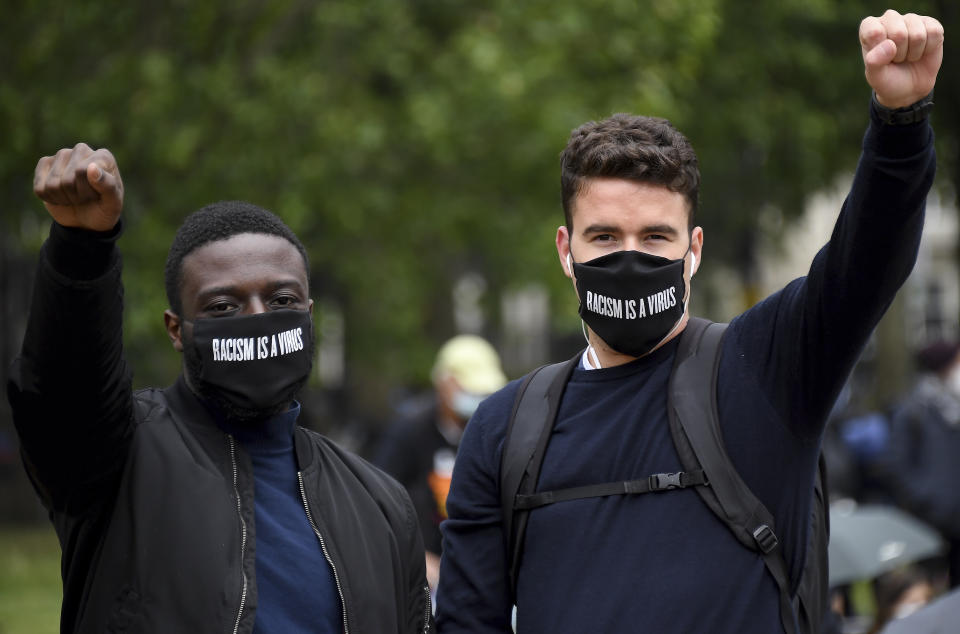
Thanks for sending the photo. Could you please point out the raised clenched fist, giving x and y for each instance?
(80, 187)
(901, 56)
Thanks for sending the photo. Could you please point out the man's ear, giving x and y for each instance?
(696, 249)
(563, 250)
(174, 328)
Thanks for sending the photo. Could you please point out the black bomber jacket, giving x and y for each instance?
(153, 504)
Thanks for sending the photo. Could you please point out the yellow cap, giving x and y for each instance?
(472, 362)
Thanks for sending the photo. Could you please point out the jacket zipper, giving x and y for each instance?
(243, 534)
(427, 610)
(326, 553)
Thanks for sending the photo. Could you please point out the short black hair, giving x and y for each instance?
(631, 147)
(215, 222)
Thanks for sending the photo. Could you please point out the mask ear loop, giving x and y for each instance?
(686, 309)
(590, 350)
(583, 326)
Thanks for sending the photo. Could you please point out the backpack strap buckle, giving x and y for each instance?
(766, 539)
(665, 481)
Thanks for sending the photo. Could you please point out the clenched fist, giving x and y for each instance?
(80, 187)
(901, 56)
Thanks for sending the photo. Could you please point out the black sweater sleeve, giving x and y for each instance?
(789, 355)
(806, 339)
(70, 388)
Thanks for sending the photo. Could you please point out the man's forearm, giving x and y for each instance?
(70, 389)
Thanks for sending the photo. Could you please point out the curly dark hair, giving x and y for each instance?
(219, 221)
(631, 147)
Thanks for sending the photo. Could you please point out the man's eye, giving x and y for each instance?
(220, 307)
(604, 237)
(284, 300)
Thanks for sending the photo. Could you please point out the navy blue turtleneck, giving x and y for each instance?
(296, 590)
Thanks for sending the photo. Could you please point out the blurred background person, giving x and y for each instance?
(937, 617)
(419, 448)
(923, 460)
(898, 594)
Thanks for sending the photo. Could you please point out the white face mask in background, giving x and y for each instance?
(465, 403)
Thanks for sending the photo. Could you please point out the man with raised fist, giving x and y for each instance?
(201, 507)
(619, 532)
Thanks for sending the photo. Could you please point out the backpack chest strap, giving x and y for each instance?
(654, 483)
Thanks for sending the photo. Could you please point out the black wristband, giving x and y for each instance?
(914, 113)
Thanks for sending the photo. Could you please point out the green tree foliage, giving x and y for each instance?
(409, 142)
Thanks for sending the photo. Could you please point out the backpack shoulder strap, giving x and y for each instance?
(695, 427)
(812, 601)
(528, 431)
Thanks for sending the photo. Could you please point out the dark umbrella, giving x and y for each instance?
(868, 540)
(940, 617)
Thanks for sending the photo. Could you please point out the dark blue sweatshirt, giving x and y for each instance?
(663, 563)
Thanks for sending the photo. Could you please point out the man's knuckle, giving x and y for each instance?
(43, 166)
(106, 158)
(870, 28)
(898, 34)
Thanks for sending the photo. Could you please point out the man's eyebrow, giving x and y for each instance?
(228, 289)
(666, 229)
(217, 290)
(287, 283)
(598, 228)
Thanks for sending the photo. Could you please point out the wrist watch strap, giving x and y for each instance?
(913, 113)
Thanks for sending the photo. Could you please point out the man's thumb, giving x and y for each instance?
(880, 55)
(102, 181)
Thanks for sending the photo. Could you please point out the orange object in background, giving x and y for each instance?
(439, 479)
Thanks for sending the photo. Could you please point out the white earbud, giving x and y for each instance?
(693, 264)
(569, 265)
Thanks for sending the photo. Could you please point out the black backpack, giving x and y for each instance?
(694, 426)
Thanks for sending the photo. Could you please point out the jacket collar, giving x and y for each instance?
(187, 407)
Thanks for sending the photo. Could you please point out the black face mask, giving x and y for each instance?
(252, 366)
(631, 300)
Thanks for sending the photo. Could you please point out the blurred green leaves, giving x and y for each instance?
(409, 142)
